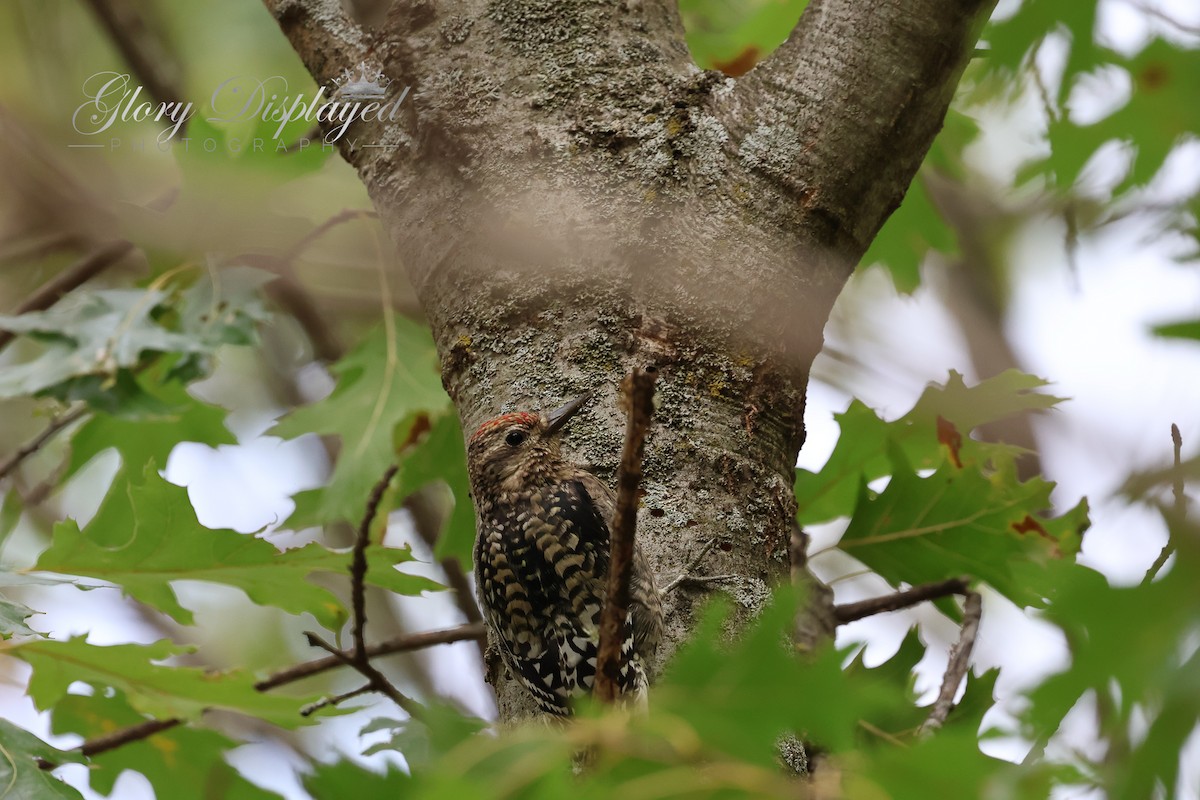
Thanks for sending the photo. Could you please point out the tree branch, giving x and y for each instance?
(359, 658)
(151, 60)
(638, 389)
(1180, 506)
(849, 612)
(358, 566)
(399, 644)
(841, 115)
(956, 669)
(33, 445)
(69, 279)
(375, 679)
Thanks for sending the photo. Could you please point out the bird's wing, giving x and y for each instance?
(515, 607)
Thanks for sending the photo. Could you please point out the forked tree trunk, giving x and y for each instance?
(570, 195)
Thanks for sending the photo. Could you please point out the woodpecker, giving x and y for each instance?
(541, 561)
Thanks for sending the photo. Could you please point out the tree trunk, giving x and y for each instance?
(570, 196)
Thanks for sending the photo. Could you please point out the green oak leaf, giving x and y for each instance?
(382, 384)
(441, 456)
(861, 453)
(948, 764)
(12, 618)
(748, 688)
(153, 689)
(20, 776)
(346, 779)
(182, 418)
(961, 521)
(145, 536)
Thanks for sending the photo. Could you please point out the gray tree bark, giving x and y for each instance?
(570, 195)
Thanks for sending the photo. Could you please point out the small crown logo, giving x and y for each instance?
(362, 83)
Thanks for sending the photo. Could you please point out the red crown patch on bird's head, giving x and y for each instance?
(519, 418)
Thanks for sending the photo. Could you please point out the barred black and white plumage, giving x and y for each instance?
(541, 561)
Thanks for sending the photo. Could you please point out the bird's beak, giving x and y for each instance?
(559, 416)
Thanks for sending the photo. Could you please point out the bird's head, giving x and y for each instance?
(518, 450)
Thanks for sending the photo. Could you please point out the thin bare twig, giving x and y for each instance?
(849, 612)
(358, 565)
(358, 658)
(639, 392)
(345, 215)
(956, 669)
(376, 679)
(299, 672)
(686, 572)
(297, 302)
(150, 58)
(289, 293)
(71, 278)
(1180, 506)
(1151, 11)
(36, 443)
(333, 700)
(399, 644)
(118, 738)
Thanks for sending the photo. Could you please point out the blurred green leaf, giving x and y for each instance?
(752, 688)
(1134, 644)
(12, 618)
(91, 341)
(153, 689)
(1161, 110)
(1009, 40)
(146, 536)
(381, 385)
(1178, 330)
(20, 776)
(917, 227)
(948, 764)
(907, 236)
(732, 37)
(187, 759)
(346, 779)
(441, 729)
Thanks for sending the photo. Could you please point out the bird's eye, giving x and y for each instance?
(515, 438)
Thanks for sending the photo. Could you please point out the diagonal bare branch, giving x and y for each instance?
(960, 660)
